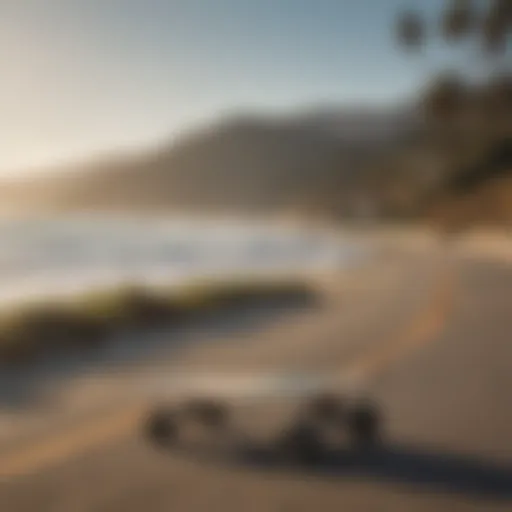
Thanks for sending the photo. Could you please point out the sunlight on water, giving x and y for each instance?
(59, 256)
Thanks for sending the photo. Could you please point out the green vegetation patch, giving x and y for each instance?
(37, 329)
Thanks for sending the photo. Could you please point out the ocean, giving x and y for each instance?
(54, 256)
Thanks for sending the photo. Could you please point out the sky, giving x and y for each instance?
(80, 78)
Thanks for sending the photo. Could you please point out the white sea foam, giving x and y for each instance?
(40, 257)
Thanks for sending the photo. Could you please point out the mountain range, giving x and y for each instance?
(245, 162)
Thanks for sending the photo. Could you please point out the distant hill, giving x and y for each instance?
(336, 162)
(249, 163)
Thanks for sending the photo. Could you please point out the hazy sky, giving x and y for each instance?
(80, 77)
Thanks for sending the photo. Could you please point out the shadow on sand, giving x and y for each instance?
(404, 464)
